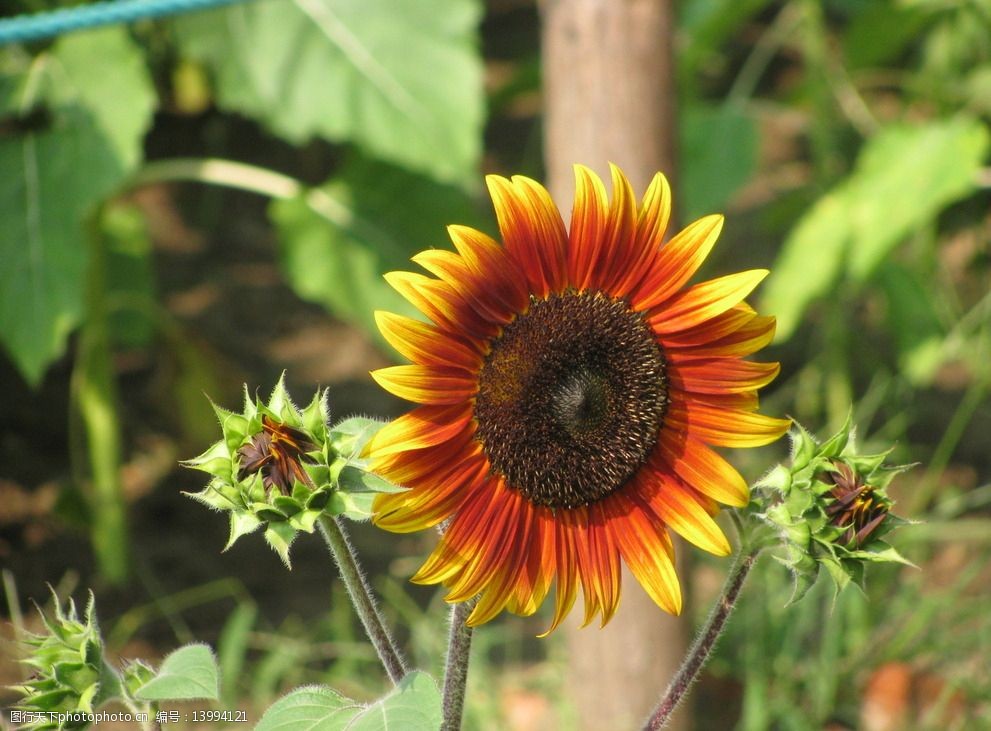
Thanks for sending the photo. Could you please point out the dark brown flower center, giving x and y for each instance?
(571, 398)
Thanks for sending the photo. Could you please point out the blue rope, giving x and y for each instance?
(24, 28)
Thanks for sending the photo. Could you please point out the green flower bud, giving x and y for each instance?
(70, 675)
(279, 468)
(830, 509)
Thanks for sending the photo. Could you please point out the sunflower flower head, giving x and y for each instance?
(831, 509)
(69, 673)
(570, 387)
(280, 468)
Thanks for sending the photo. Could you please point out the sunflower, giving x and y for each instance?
(570, 388)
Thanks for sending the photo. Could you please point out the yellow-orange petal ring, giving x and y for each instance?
(593, 332)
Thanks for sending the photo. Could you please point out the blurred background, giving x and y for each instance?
(191, 204)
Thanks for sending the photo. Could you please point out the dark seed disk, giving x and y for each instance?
(571, 399)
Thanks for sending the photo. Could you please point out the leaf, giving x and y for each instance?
(903, 178)
(355, 480)
(314, 708)
(383, 216)
(186, 674)
(403, 80)
(349, 436)
(413, 705)
(718, 152)
(51, 178)
(811, 259)
(355, 506)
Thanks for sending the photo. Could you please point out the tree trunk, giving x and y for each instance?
(609, 96)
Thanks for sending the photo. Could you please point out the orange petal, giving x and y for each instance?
(566, 563)
(407, 467)
(655, 212)
(442, 304)
(464, 544)
(674, 503)
(704, 470)
(741, 401)
(677, 261)
(509, 563)
(551, 236)
(534, 579)
(607, 577)
(652, 221)
(725, 427)
(646, 548)
(704, 301)
(720, 375)
(425, 507)
(589, 222)
(617, 255)
(451, 269)
(531, 229)
(492, 266)
(427, 384)
(746, 340)
(711, 330)
(422, 427)
(499, 531)
(425, 344)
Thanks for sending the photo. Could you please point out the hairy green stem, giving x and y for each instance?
(456, 667)
(361, 597)
(705, 642)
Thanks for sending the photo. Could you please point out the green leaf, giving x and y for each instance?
(314, 708)
(402, 80)
(810, 261)
(355, 480)
(51, 179)
(718, 153)
(186, 674)
(337, 258)
(413, 705)
(903, 178)
(349, 437)
(354, 505)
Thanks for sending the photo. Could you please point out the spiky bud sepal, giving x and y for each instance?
(278, 468)
(830, 509)
(70, 676)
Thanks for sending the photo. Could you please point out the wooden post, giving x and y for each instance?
(609, 96)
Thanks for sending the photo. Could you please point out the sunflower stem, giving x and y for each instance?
(361, 597)
(456, 668)
(698, 654)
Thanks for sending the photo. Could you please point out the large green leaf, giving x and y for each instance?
(187, 673)
(413, 705)
(89, 100)
(903, 178)
(383, 215)
(401, 78)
